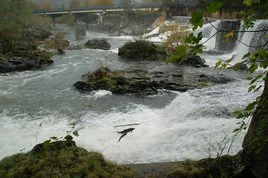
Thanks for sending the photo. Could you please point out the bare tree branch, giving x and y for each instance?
(127, 125)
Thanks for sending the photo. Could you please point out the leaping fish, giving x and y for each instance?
(125, 132)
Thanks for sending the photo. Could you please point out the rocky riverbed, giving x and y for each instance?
(33, 51)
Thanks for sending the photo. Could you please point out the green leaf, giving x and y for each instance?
(218, 64)
(214, 7)
(197, 19)
(246, 56)
(253, 67)
(236, 130)
(255, 79)
(251, 106)
(229, 60)
(257, 89)
(247, 2)
(179, 55)
(252, 87)
(239, 114)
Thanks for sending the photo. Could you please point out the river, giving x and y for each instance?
(37, 105)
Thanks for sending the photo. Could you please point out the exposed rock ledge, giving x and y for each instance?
(144, 82)
(36, 61)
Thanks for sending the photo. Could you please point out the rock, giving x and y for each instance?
(143, 82)
(6, 66)
(116, 82)
(98, 44)
(60, 51)
(141, 50)
(218, 79)
(62, 44)
(83, 86)
(195, 61)
(53, 146)
(33, 61)
(239, 66)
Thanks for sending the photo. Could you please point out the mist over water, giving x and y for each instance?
(173, 126)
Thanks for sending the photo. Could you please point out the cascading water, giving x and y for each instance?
(245, 39)
(173, 126)
(250, 39)
(208, 31)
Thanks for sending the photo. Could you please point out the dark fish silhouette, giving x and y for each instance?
(125, 132)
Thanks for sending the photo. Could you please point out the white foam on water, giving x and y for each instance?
(99, 93)
(168, 134)
(116, 50)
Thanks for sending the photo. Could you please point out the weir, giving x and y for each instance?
(225, 41)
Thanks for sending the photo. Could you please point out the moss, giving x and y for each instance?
(222, 167)
(141, 50)
(202, 85)
(61, 159)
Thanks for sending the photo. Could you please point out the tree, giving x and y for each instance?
(75, 4)
(16, 15)
(44, 5)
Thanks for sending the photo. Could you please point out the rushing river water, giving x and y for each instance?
(173, 126)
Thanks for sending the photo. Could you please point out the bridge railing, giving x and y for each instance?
(99, 7)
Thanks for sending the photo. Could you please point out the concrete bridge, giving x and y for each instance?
(95, 9)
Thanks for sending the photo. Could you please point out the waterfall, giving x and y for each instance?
(207, 31)
(247, 39)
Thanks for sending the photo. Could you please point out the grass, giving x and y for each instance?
(61, 159)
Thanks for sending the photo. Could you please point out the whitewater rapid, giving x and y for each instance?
(37, 105)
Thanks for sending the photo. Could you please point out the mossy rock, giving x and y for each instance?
(61, 159)
(117, 82)
(141, 50)
(222, 167)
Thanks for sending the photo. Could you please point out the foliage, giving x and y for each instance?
(75, 4)
(177, 34)
(61, 159)
(223, 167)
(190, 48)
(256, 60)
(66, 19)
(43, 5)
(15, 17)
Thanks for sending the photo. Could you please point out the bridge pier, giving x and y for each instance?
(100, 20)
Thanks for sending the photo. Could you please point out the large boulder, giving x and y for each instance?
(195, 61)
(117, 82)
(141, 50)
(98, 44)
(143, 82)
